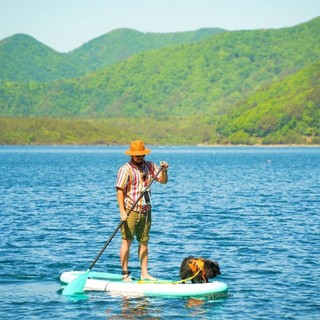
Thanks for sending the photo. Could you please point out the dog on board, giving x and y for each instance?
(198, 270)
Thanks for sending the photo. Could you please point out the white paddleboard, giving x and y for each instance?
(109, 282)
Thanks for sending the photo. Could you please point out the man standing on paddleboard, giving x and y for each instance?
(133, 180)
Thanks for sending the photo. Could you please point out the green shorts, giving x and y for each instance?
(137, 225)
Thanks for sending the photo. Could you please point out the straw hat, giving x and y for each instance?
(137, 148)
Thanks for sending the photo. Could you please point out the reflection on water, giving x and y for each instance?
(158, 308)
(130, 308)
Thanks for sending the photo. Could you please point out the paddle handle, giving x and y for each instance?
(122, 222)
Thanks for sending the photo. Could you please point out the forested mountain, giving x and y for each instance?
(120, 44)
(23, 58)
(286, 111)
(258, 86)
(208, 77)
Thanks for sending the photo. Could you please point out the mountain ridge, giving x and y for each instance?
(109, 48)
(215, 81)
(23, 58)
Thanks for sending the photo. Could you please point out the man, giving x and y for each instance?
(133, 177)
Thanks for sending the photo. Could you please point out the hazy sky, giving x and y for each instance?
(67, 24)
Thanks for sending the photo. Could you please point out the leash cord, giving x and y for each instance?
(166, 282)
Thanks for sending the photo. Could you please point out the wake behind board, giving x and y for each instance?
(109, 282)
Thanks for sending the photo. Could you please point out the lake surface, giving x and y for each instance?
(254, 210)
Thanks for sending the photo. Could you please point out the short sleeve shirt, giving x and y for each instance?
(133, 181)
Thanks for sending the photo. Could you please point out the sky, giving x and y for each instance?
(64, 25)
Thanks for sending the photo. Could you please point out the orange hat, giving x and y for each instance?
(137, 148)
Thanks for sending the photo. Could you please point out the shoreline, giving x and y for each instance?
(172, 146)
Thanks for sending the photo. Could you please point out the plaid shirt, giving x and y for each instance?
(133, 181)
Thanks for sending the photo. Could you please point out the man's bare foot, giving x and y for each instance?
(126, 279)
(148, 277)
(126, 276)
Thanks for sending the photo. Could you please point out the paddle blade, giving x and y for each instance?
(77, 285)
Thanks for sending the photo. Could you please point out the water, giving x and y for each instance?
(254, 210)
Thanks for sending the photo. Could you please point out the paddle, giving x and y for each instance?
(77, 285)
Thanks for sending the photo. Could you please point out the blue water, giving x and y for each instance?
(254, 210)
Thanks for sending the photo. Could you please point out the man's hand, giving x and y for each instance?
(123, 215)
(164, 164)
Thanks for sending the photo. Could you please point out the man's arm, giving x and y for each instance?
(120, 198)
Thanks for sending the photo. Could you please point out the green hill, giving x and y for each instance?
(287, 111)
(223, 89)
(205, 78)
(120, 44)
(22, 59)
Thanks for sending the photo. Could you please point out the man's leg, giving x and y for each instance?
(143, 256)
(124, 255)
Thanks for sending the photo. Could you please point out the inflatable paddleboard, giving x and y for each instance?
(109, 282)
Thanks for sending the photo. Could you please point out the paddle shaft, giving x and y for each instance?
(122, 222)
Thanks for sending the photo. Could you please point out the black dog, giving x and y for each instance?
(198, 270)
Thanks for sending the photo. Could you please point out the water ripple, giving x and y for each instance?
(254, 210)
